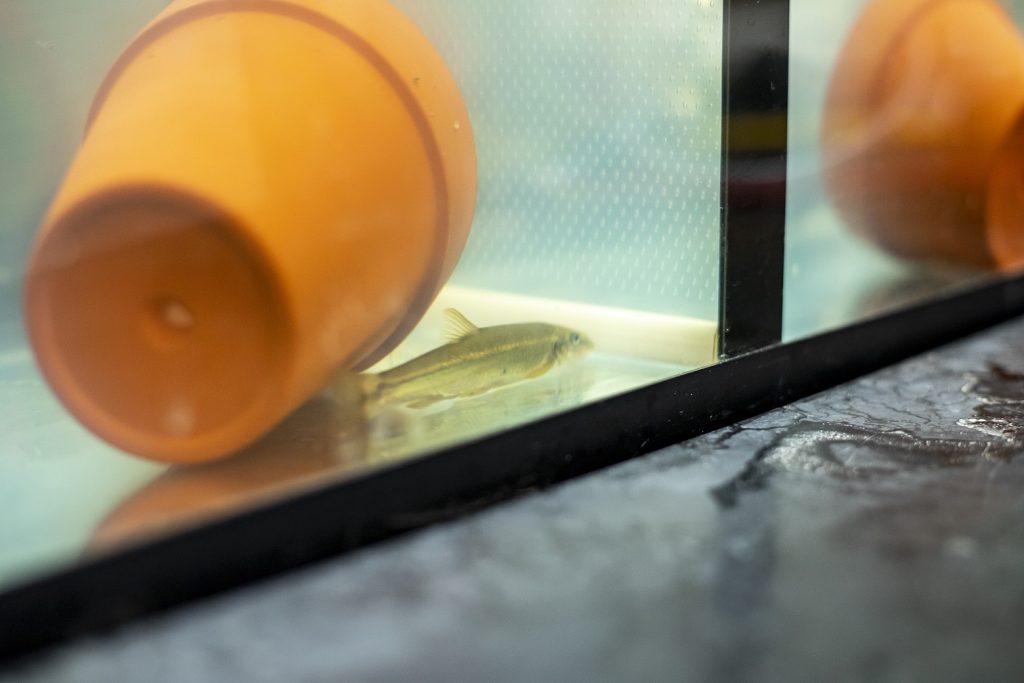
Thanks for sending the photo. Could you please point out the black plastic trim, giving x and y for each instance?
(755, 92)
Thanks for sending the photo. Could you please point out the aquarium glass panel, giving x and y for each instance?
(904, 145)
(250, 247)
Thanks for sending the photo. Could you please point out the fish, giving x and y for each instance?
(475, 361)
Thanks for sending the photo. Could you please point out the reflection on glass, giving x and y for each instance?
(314, 440)
(897, 134)
(252, 258)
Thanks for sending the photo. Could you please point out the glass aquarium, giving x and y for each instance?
(280, 278)
(252, 247)
(903, 142)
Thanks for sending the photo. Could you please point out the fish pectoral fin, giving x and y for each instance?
(541, 369)
(457, 326)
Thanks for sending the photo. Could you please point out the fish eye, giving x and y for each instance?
(574, 338)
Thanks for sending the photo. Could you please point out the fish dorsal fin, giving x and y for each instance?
(457, 326)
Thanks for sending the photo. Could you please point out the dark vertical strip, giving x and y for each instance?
(755, 90)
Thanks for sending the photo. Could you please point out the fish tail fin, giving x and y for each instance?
(457, 326)
(371, 387)
(354, 391)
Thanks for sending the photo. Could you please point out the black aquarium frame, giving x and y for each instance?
(757, 374)
(755, 100)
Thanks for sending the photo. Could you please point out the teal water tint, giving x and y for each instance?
(597, 125)
(829, 270)
(598, 137)
(57, 481)
(53, 55)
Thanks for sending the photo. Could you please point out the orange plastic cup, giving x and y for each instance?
(922, 97)
(267, 190)
(1005, 201)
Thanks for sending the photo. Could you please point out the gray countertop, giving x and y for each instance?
(872, 532)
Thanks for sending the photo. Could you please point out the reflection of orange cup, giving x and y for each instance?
(267, 190)
(313, 443)
(922, 96)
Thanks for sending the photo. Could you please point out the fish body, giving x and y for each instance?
(475, 361)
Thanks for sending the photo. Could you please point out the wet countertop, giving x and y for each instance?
(872, 532)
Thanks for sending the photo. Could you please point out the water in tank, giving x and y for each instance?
(252, 245)
(904, 140)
